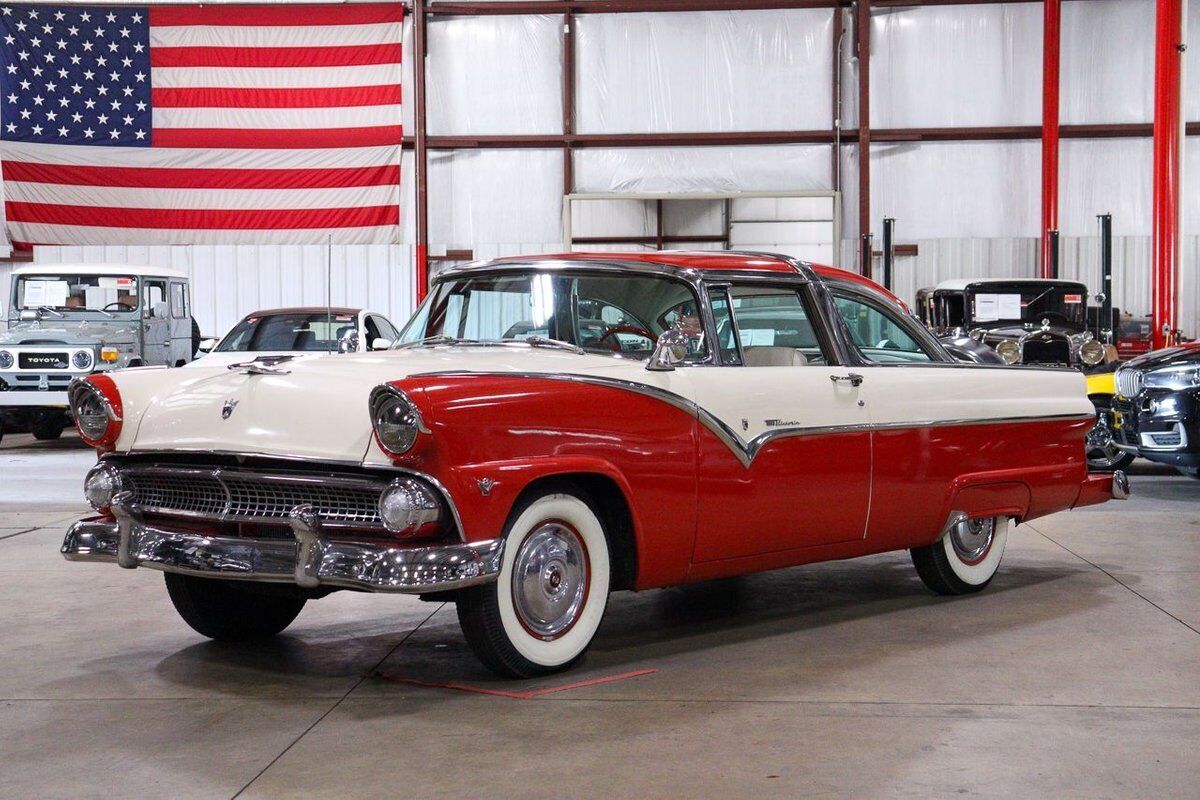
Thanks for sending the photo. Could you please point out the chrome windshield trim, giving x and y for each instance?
(745, 451)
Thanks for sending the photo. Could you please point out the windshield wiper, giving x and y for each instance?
(52, 310)
(558, 344)
(430, 341)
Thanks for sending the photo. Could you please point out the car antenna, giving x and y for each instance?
(329, 291)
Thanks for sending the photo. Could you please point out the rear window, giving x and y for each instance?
(284, 332)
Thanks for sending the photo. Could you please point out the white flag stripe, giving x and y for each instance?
(275, 118)
(276, 77)
(195, 199)
(187, 158)
(88, 234)
(278, 36)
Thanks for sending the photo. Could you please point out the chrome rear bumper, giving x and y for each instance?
(310, 560)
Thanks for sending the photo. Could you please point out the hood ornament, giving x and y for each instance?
(227, 409)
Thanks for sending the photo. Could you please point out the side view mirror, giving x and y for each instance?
(349, 342)
(381, 344)
(670, 349)
(207, 345)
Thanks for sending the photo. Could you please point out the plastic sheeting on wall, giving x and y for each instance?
(1107, 62)
(495, 74)
(704, 71)
(702, 169)
(480, 196)
(957, 189)
(230, 281)
(1104, 176)
(944, 66)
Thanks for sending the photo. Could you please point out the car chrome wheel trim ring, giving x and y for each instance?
(550, 580)
(972, 539)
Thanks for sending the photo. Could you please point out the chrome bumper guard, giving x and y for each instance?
(310, 560)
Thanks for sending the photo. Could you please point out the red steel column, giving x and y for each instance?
(419, 156)
(1164, 235)
(1051, 41)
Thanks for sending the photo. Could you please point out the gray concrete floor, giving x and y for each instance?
(1077, 674)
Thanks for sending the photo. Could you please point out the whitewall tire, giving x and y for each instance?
(965, 558)
(541, 614)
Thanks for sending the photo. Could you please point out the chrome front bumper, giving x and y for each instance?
(310, 560)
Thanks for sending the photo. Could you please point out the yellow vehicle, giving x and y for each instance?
(1102, 453)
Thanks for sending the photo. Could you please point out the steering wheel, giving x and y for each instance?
(615, 329)
(119, 306)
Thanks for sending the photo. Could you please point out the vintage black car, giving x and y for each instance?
(1029, 321)
(1156, 410)
(1021, 320)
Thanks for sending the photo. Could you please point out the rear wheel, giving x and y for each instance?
(232, 610)
(541, 614)
(965, 559)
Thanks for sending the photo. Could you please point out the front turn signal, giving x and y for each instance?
(109, 354)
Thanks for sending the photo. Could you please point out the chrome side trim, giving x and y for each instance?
(745, 451)
(314, 562)
(1120, 485)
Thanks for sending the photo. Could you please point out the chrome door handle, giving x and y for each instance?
(854, 379)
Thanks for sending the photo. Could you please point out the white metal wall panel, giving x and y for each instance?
(230, 281)
(703, 169)
(1107, 62)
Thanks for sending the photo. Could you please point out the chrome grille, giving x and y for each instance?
(243, 496)
(1129, 382)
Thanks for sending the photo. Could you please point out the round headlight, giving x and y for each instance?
(100, 486)
(1091, 352)
(82, 359)
(406, 505)
(1009, 350)
(396, 421)
(96, 408)
(6, 359)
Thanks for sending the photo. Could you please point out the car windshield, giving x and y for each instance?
(1063, 305)
(601, 313)
(301, 331)
(63, 294)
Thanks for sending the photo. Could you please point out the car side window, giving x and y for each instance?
(179, 308)
(878, 334)
(773, 327)
(727, 345)
(385, 328)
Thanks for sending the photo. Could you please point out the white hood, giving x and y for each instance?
(317, 409)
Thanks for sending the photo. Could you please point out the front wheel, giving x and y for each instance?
(47, 428)
(543, 611)
(965, 559)
(232, 610)
(1103, 455)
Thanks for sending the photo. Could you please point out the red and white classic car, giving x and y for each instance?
(554, 428)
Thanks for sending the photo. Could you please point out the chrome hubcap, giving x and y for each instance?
(972, 539)
(550, 580)
(1102, 452)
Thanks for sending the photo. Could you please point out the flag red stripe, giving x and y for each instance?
(277, 138)
(349, 56)
(232, 179)
(216, 97)
(294, 15)
(203, 219)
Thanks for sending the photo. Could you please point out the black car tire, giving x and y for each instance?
(47, 429)
(559, 525)
(1103, 403)
(942, 568)
(232, 611)
(196, 337)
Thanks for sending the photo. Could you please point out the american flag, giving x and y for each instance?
(201, 124)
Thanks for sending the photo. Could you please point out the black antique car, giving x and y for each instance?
(1029, 321)
(1156, 410)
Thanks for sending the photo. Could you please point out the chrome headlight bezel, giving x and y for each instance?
(96, 418)
(1176, 377)
(1009, 351)
(395, 419)
(82, 360)
(101, 485)
(407, 505)
(1091, 352)
(7, 359)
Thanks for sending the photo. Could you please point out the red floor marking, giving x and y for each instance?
(465, 687)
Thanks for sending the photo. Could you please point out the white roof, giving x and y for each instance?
(140, 271)
(959, 284)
